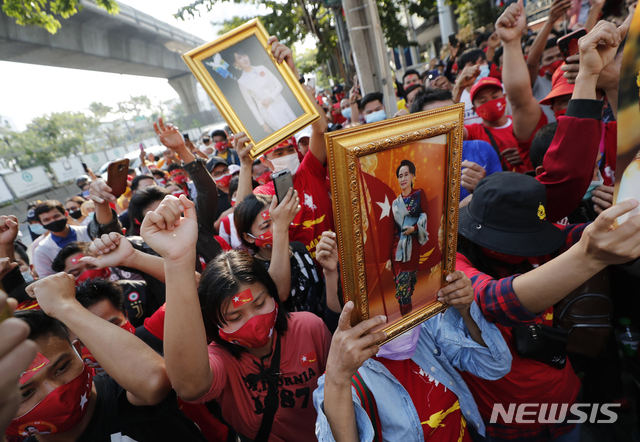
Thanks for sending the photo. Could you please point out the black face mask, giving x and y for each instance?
(75, 214)
(56, 226)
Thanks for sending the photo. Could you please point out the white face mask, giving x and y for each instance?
(28, 277)
(291, 162)
(37, 229)
(401, 348)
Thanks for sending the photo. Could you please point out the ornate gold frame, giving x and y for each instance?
(194, 58)
(343, 147)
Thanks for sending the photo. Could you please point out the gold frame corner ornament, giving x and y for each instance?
(343, 149)
(194, 58)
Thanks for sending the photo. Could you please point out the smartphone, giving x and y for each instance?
(453, 41)
(312, 83)
(568, 44)
(185, 136)
(282, 181)
(117, 176)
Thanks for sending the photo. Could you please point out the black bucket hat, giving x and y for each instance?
(507, 214)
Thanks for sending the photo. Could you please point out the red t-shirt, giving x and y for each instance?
(316, 215)
(528, 380)
(437, 406)
(303, 359)
(505, 139)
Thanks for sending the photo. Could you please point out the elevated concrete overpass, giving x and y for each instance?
(130, 42)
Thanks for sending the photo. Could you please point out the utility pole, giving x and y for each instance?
(369, 50)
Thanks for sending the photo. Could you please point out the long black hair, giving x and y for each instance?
(221, 281)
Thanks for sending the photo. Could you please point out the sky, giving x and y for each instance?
(73, 90)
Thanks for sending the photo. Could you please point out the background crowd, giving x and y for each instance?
(196, 306)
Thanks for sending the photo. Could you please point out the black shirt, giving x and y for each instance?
(114, 418)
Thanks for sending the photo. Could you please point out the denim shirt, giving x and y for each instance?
(444, 346)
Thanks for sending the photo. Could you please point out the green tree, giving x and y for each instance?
(45, 13)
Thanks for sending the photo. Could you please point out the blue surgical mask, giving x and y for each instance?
(591, 188)
(376, 116)
(37, 229)
(28, 277)
(484, 72)
(401, 348)
(346, 112)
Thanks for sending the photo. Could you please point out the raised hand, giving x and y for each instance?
(327, 251)
(16, 353)
(8, 230)
(512, 22)
(468, 76)
(281, 52)
(100, 192)
(282, 213)
(604, 243)
(598, 47)
(558, 9)
(110, 250)
(6, 266)
(602, 198)
(242, 145)
(171, 235)
(459, 291)
(169, 135)
(54, 293)
(351, 346)
(471, 175)
(494, 39)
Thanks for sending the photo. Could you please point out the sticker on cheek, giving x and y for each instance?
(38, 364)
(242, 298)
(266, 215)
(75, 259)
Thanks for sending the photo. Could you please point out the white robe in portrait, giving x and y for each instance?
(259, 84)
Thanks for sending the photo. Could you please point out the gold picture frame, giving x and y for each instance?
(431, 139)
(240, 105)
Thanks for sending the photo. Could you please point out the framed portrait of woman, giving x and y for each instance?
(253, 92)
(395, 189)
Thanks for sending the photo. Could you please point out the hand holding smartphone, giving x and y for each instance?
(568, 44)
(282, 182)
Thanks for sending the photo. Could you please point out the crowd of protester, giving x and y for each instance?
(196, 306)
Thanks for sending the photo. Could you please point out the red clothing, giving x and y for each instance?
(438, 407)
(316, 215)
(304, 351)
(569, 164)
(505, 139)
(528, 381)
(610, 152)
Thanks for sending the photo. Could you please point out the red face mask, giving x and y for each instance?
(550, 68)
(255, 333)
(60, 411)
(264, 240)
(220, 146)
(560, 113)
(492, 110)
(223, 181)
(264, 178)
(503, 257)
(177, 193)
(93, 273)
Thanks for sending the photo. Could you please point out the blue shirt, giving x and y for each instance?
(482, 153)
(444, 347)
(61, 242)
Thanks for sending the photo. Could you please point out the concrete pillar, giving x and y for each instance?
(369, 50)
(446, 20)
(185, 86)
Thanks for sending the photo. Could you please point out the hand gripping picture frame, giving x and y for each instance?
(255, 94)
(395, 187)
